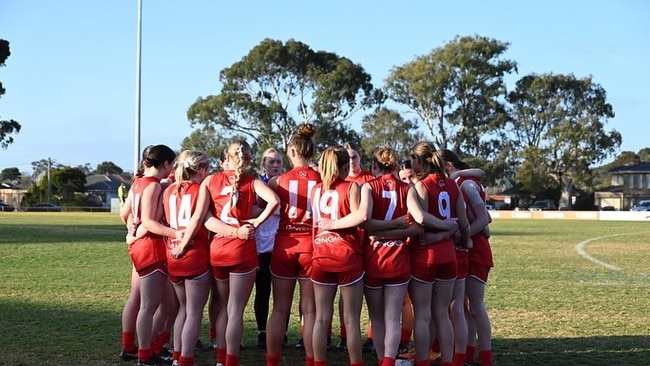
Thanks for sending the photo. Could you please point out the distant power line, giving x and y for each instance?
(16, 165)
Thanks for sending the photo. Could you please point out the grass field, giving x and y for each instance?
(65, 278)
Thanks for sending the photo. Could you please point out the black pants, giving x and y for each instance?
(262, 291)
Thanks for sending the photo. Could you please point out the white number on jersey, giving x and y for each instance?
(392, 196)
(293, 198)
(327, 204)
(225, 212)
(444, 204)
(180, 216)
(135, 209)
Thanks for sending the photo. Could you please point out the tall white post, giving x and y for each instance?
(136, 137)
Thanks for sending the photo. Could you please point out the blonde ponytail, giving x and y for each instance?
(240, 154)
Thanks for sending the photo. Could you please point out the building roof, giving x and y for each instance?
(104, 182)
(612, 189)
(641, 167)
(7, 185)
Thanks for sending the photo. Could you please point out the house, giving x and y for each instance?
(506, 199)
(12, 194)
(104, 187)
(629, 184)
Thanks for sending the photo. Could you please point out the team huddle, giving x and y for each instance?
(413, 241)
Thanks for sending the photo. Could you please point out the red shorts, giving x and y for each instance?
(377, 283)
(479, 271)
(324, 277)
(462, 259)
(178, 279)
(158, 266)
(222, 273)
(289, 265)
(431, 273)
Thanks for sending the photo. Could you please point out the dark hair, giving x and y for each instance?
(350, 145)
(224, 154)
(145, 153)
(405, 164)
(154, 156)
(451, 157)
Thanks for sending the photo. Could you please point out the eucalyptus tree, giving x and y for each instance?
(458, 91)
(644, 154)
(7, 127)
(559, 121)
(387, 127)
(278, 86)
(108, 167)
(205, 139)
(10, 174)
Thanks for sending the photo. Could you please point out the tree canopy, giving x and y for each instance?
(458, 91)
(7, 127)
(559, 122)
(386, 127)
(278, 86)
(108, 167)
(547, 133)
(10, 174)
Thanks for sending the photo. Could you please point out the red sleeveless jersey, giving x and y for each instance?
(150, 248)
(364, 176)
(295, 189)
(224, 249)
(387, 258)
(335, 250)
(443, 194)
(179, 205)
(481, 251)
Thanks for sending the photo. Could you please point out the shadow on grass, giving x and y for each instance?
(35, 334)
(614, 350)
(37, 234)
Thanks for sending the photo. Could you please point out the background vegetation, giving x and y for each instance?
(545, 134)
(65, 278)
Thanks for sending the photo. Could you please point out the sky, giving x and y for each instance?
(71, 78)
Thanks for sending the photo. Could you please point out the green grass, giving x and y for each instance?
(65, 278)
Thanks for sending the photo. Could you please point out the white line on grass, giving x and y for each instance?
(580, 248)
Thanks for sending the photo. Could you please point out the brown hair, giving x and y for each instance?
(451, 157)
(154, 156)
(145, 153)
(423, 151)
(438, 163)
(351, 146)
(330, 164)
(385, 158)
(303, 140)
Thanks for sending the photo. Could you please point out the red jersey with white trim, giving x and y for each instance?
(150, 248)
(226, 250)
(179, 203)
(442, 194)
(364, 176)
(481, 251)
(295, 189)
(335, 250)
(387, 258)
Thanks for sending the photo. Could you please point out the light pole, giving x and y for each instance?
(136, 137)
